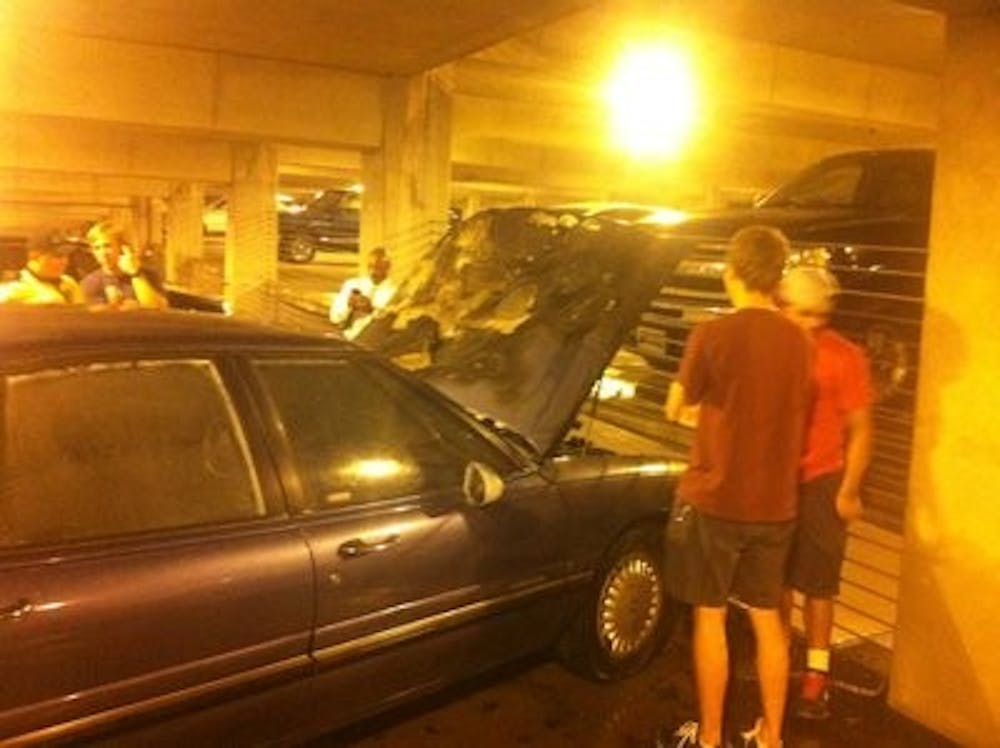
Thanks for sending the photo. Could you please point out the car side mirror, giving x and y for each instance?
(481, 484)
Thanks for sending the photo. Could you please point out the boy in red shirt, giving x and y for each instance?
(837, 452)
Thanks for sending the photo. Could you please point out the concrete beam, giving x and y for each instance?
(55, 74)
(36, 143)
(957, 7)
(64, 187)
(532, 105)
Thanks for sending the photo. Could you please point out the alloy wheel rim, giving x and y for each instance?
(629, 606)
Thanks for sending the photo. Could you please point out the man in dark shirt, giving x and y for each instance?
(731, 527)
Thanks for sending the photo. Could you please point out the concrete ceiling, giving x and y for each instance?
(407, 36)
(369, 36)
(511, 49)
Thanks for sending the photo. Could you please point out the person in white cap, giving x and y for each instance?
(837, 452)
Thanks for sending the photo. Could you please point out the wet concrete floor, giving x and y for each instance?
(539, 703)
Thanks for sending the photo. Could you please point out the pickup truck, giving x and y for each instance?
(864, 215)
(330, 221)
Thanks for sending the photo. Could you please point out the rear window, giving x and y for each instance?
(111, 449)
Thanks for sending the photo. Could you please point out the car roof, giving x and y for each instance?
(38, 328)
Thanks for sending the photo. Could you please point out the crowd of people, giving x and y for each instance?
(120, 280)
(782, 411)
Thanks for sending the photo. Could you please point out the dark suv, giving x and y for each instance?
(330, 221)
(865, 215)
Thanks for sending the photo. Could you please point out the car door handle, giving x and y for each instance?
(18, 610)
(360, 547)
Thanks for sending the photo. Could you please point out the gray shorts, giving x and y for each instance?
(710, 560)
(820, 540)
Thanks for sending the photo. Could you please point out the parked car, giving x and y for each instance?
(865, 215)
(223, 533)
(330, 221)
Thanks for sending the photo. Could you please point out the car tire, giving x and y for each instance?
(298, 250)
(627, 615)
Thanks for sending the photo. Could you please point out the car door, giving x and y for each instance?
(145, 564)
(402, 559)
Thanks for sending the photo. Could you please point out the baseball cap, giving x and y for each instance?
(809, 288)
(50, 244)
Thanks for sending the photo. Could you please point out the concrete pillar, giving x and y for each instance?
(251, 264)
(407, 181)
(946, 659)
(185, 232)
(158, 224)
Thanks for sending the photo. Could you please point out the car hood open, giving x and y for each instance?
(516, 312)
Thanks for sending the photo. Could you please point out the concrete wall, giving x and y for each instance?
(946, 658)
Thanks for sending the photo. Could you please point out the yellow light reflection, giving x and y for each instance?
(610, 387)
(653, 98)
(376, 469)
(665, 217)
(670, 467)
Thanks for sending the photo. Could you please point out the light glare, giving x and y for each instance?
(653, 99)
(376, 469)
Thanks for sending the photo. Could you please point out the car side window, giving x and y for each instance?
(354, 439)
(115, 448)
(461, 437)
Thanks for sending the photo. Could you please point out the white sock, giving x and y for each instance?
(818, 659)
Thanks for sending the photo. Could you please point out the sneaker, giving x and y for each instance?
(814, 698)
(685, 736)
(751, 738)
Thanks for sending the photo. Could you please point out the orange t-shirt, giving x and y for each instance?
(842, 384)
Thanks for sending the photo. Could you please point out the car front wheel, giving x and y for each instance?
(299, 250)
(627, 616)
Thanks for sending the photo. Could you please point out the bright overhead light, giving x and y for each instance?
(653, 98)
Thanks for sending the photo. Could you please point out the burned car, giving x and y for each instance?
(205, 523)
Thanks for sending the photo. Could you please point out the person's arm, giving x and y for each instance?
(687, 390)
(147, 293)
(340, 307)
(675, 401)
(71, 290)
(857, 455)
(145, 285)
(856, 402)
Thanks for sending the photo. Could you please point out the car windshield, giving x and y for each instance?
(887, 182)
(828, 184)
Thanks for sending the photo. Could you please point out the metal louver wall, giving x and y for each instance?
(880, 307)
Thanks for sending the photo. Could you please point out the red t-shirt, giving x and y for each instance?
(842, 385)
(751, 373)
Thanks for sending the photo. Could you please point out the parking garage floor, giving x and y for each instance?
(539, 703)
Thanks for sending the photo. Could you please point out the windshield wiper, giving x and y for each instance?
(510, 435)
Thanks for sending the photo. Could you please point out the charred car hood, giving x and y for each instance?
(515, 313)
